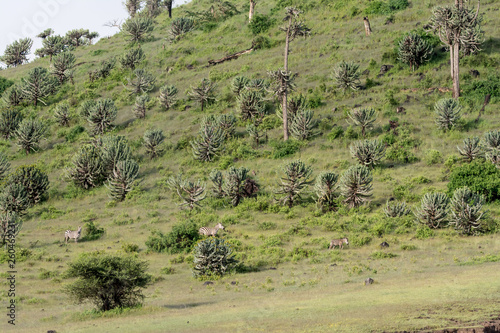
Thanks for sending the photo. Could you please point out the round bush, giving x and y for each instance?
(480, 176)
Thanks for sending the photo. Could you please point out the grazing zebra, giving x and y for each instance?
(338, 242)
(72, 234)
(210, 231)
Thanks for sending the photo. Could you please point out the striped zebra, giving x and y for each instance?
(210, 231)
(72, 234)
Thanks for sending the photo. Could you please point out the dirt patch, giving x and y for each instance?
(491, 326)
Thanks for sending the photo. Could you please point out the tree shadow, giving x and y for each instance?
(186, 305)
(491, 45)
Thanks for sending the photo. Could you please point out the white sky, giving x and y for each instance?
(27, 18)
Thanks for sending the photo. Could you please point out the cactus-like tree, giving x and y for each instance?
(238, 84)
(283, 82)
(413, 50)
(447, 113)
(132, 58)
(103, 70)
(492, 140)
(76, 37)
(168, 96)
(101, 116)
(295, 104)
(142, 82)
(14, 199)
(34, 181)
(51, 46)
(234, 183)
(38, 85)
(63, 66)
(91, 36)
(46, 33)
(86, 107)
(4, 166)
(140, 106)
(368, 152)
(295, 181)
(152, 141)
(29, 133)
(356, 185)
(213, 257)
(325, 188)
(303, 125)
(466, 210)
(191, 193)
(10, 226)
(13, 96)
(346, 75)
(17, 53)
(61, 114)
(396, 209)
(250, 104)
(114, 148)
(256, 133)
(363, 118)
(179, 27)
(138, 29)
(472, 149)
(122, 179)
(209, 142)
(133, 6)
(218, 183)
(88, 168)
(204, 93)
(9, 122)
(493, 155)
(433, 209)
(152, 7)
(228, 124)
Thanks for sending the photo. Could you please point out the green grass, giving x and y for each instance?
(450, 279)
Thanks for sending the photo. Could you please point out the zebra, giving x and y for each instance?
(210, 231)
(72, 234)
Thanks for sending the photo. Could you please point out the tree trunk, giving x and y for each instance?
(169, 8)
(251, 11)
(368, 29)
(456, 76)
(451, 61)
(284, 103)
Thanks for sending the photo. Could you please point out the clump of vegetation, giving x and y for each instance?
(167, 96)
(61, 114)
(108, 281)
(209, 142)
(296, 179)
(14, 198)
(413, 50)
(152, 141)
(101, 115)
(180, 239)
(122, 178)
(363, 118)
(386, 7)
(142, 82)
(191, 193)
(471, 149)
(346, 76)
(29, 133)
(92, 231)
(480, 176)
(88, 170)
(9, 122)
(140, 106)
(132, 58)
(63, 67)
(368, 152)
(138, 29)
(34, 181)
(325, 188)
(260, 24)
(356, 185)
(38, 85)
(447, 113)
(179, 27)
(466, 210)
(103, 71)
(213, 257)
(396, 209)
(433, 209)
(204, 93)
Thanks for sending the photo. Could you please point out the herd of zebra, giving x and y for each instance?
(206, 231)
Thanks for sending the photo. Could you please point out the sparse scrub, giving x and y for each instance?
(180, 239)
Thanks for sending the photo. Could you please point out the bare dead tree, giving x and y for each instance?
(368, 29)
(252, 10)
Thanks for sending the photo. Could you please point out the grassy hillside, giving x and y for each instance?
(294, 283)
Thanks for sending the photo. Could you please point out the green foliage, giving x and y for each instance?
(234, 184)
(61, 114)
(51, 46)
(88, 168)
(433, 209)
(138, 29)
(238, 84)
(303, 125)
(433, 156)
(477, 89)
(142, 82)
(335, 133)
(471, 149)
(4, 84)
(132, 58)
(179, 27)
(29, 133)
(363, 118)
(17, 53)
(10, 226)
(108, 281)
(9, 122)
(466, 210)
(38, 85)
(191, 193)
(346, 76)
(14, 199)
(479, 176)
(13, 96)
(413, 50)
(424, 232)
(4, 166)
(260, 24)
(122, 179)
(34, 181)
(101, 115)
(368, 152)
(283, 149)
(295, 181)
(92, 232)
(62, 66)
(180, 239)
(447, 113)
(356, 185)
(396, 209)
(168, 96)
(382, 255)
(152, 141)
(213, 257)
(386, 7)
(114, 148)
(140, 106)
(204, 93)
(325, 188)
(104, 69)
(209, 142)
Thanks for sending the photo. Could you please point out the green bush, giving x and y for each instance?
(283, 149)
(480, 176)
(92, 232)
(260, 23)
(382, 255)
(336, 132)
(386, 7)
(424, 232)
(432, 157)
(180, 240)
(4, 84)
(213, 257)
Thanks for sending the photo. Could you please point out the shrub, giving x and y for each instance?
(29, 133)
(143, 82)
(363, 118)
(14, 199)
(285, 148)
(34, 181)
(92, 232)
(466, 210)
(88, 168)
(140, 106)
(479, 176)
(9, 122)
(132, 58)
(180, 26)
(447, 113)
(325, 187)
(294, 182)
(396, 209)
(471, 150)
(433, 156)
(346, 76)
(138, 29)
(386, 7)
(108, 281)
(101, 116)
(303, 124)
(433, 209)
(356, 185)
(167, 96)
(260, 24)
(413, 50)
(336, 132)
(191, 193)
(104, 69)
(368, 152)
(212, 257)
(122, 179)
(152, 141)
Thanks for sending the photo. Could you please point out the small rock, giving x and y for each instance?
(272, 268)
(333, 265)
(357, 105)
(51, 331)
(384, 244)
(474, 73)
(400, 109)
(385, 68)
(479, 247)
(417, 24)
(334, 109)
(233, 282)
(109, 247)
(189, 66)
(368, 281)
(208, 283)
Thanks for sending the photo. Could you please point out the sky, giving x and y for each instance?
(33, 16)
